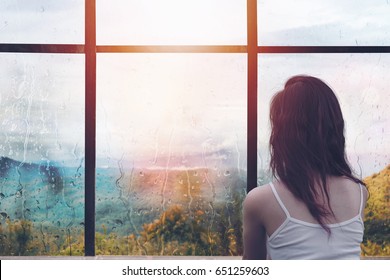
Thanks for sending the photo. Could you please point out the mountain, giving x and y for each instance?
(40, 192)
(377, 214)
(378, 204)
(23, 173)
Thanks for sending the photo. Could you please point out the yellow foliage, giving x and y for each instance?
(377, 215)
(378, 204)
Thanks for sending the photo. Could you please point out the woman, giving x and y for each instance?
(314, 208)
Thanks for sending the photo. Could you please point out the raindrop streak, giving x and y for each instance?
(121, 173)
(27, 118)
(206, 175)
(189, 189)
(166, 171)
(130, 218)
(238, 157)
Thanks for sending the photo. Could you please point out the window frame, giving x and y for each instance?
(90, 50)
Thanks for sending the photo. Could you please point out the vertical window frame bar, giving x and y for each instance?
(252, 95)
(90, 127)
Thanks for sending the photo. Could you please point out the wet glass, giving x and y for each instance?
(42, 21)
(42, 153)
(171, 153)
(171, 22)
(324, 23)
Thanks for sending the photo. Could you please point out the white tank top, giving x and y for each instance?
(297, 239)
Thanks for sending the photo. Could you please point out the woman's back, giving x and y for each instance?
(293, 233)
(314, 210)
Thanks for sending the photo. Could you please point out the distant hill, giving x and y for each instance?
(378, 204)
(377, 214)
(27, 173)
(42, 192)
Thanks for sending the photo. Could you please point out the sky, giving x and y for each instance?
(324, 22)
(156, 105)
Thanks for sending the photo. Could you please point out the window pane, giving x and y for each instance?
(324, 22)
(42, 21)
(361, 83)
(42, 151)
(171, 153)
(170, 22)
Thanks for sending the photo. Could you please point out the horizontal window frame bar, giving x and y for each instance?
(42, 48)
(172, 49)
(323, 49)
(80, 49)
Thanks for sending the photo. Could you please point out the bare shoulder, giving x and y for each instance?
(258, 194)
(257, 199)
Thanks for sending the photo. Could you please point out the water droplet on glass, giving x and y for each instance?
(227, 173)
(3, 215)
(18, 194)
(2, 195)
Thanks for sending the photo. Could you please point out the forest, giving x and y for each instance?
(182, 230)
(377, 215)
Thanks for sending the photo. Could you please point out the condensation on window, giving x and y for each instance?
(42, 152)
(171, 154)
(328, 22)
(42, 21)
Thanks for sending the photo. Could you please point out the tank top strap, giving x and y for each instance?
(361, 199)
(279, 200)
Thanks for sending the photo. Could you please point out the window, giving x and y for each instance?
(361, 86)
(172, 149)
(171, 22)
(140, 133)
(42, 128)
(327, 23)
(42, 22)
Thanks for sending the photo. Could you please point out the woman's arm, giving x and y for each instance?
(254, 233)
